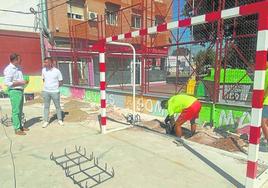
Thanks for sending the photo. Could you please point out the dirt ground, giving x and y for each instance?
(230, 143)
(37, 99)
(154, 124)
(77, 111)
(207, 136)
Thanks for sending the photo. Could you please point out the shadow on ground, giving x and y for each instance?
(54, 117)
(205, 160)
(32, 121)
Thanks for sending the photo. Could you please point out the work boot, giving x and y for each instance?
(24, 129)
(19, 132)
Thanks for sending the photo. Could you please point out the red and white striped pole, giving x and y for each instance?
(259, 76)
(102, 67)
(257, 101)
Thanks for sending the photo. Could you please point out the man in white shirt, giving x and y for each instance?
(13, 79)
(52, 78)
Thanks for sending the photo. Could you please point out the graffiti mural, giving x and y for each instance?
(235, 93)
(226, 117)
(65, 91)
(35, 85)
(92, 96)
(78, 93)
(146, 105)
(116, 99)
(233, 120)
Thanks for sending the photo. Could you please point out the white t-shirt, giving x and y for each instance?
(51, 79)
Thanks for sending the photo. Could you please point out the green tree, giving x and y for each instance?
(204, 59)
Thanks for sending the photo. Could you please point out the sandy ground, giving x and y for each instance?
(141, 157)
(77, 111)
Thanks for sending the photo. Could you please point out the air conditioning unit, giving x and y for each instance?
(92, 16)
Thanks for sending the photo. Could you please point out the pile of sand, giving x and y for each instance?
(38, 99)
(76, 111)
(230, 143)
(75, 115)
(74, 104)
(203, 138)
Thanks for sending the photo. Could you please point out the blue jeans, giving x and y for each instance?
(56, 100)
(265, 111)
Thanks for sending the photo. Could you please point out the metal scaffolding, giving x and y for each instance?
(224, 38)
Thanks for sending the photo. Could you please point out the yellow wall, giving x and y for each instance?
(35, 85)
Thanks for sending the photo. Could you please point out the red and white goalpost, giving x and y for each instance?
(261, 9)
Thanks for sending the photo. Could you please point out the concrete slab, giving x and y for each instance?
(140, 158)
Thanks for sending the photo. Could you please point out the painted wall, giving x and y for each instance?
(35, 84)
(226, 117)
(232, 118)
(27, 45)
(2, 86)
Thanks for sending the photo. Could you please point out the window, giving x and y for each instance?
(75, 11)
(75, 16)
(111, 10)
(111, 18)
(65, 66)
(61, 42)
(136, 21)
(83, 73)
(69, 15)
(79, 17)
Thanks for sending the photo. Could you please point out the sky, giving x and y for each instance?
(175, 8)
(187, 33)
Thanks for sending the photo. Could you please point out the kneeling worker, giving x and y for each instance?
(188, 107)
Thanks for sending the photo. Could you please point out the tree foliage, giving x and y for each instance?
(235, 30)
(204, 60)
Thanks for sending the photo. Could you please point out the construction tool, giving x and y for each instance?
(76, 165)
(133, 119)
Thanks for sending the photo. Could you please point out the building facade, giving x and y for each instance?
(77, 25)
(18, 34)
